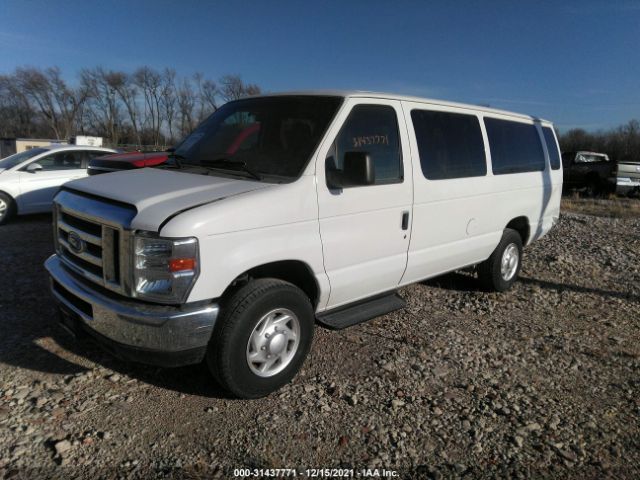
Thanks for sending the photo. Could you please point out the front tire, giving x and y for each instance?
(261, 338)
(7, 208)
(500, 271)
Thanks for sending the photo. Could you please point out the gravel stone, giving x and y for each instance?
(537, 382)
(62, 447)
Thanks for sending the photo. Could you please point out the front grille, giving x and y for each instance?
(92, 245)
(90, 255)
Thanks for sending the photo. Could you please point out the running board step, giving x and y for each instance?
(361, 312)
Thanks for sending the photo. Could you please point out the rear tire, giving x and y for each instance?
(593, 188)
(261, 338)
(500, 271)
(7, 208)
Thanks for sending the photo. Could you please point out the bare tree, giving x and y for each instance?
(145, 106)
(207, 91)
(186, 106)
(51, 97)
(208, 94)
(169, 100)
(104, 112)
(150, 83)
(233, 88)
(17, 117)
(127, 92)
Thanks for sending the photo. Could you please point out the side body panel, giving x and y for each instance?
(459, 222)
(37, 189)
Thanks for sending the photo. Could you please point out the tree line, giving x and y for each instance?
(158, 107)
(147, 107)
(621, 143)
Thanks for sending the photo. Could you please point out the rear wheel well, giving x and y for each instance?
(520, 225)
(295, 272)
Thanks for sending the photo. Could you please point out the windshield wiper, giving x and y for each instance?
(227, 162)
(175, 156)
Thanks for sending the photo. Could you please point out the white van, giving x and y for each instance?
(279, 211)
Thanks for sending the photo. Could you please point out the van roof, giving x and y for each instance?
(407, 98)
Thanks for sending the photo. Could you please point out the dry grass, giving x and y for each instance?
(612, 206)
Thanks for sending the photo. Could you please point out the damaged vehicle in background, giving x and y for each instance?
(591, 172)
(132, 160)
(125, 161)
(596, 174)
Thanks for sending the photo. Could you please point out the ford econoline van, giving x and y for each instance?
(285, 210)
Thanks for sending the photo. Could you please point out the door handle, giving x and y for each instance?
(405, 220)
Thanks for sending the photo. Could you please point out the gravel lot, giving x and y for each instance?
(542, 381)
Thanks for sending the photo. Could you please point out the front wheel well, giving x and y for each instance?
(8, 195)
(520, 225)
(295, 272)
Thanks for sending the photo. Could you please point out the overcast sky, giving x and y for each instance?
(575, 63)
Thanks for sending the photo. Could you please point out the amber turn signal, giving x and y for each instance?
(181, 264)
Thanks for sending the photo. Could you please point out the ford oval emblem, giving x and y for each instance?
(75, 242)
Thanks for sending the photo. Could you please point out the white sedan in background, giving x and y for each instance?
(30, 179)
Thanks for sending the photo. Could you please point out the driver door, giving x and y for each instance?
(365, 230)
(38, 187)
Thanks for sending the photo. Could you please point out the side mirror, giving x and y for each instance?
(358, 171)
(34, 167)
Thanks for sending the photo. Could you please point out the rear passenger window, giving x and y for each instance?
(372, 129)
(515, 147)
(449, 144)
(552, 148)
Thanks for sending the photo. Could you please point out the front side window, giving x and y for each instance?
(372, 129)
(450, 145)
(515, 147)
(69, 160)
(17, 158)
(552, 148)
(271, 136)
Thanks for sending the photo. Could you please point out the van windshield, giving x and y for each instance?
(267, 136)
(17, 158)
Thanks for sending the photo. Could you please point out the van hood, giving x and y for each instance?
(160, 194)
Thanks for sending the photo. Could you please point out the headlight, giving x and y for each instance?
(164, 269)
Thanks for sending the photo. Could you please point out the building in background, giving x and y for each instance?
(9, 146)
(87, 141)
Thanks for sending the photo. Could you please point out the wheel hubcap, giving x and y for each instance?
(509, 264)
(3, 207)
(273, 342)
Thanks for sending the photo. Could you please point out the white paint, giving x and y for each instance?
(351, 241)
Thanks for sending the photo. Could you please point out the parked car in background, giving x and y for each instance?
(325, 206)
(125, 161)
(593, 172)
(30, 179)
(628, 177)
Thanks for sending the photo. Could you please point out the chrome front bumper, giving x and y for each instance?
(135, 330)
